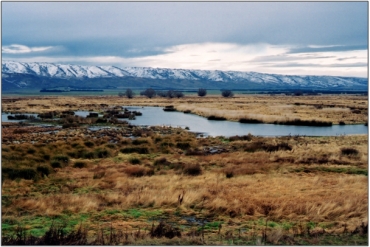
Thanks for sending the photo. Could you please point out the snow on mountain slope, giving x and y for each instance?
(84, 72)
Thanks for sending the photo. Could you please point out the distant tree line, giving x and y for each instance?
(151, 93)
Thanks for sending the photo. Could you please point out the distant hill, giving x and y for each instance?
(18, 75)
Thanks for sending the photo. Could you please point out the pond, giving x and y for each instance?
(156, 116)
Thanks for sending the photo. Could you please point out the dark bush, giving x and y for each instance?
(92, 115)
(101, 120)
(89, 144)
(161, 161)
(140, 150)
(129, 93)
(229, 173)
(227, 93)
(23, 173)
(79, 164)
(170, 94)
(202, 92)
(162, 94)
(88, 155)
(241, 138)
(192, 169)
(135, 161)
(261, 146)
(179, 94)
(101, 153)
(44, 170)
(183, 145)
(31, 151)
(165, 230)
(169, 108)
(61, 158)
(56, 164)
(349, 151)
(139, 141)
(150, 93)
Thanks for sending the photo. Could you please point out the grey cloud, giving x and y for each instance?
(329, 48)
(314, 65)
(121, 26)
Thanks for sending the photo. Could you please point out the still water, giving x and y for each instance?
(156, 116)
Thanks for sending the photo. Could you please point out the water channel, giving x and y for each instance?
(156, 116)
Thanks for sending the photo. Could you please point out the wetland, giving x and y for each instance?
(103, 178)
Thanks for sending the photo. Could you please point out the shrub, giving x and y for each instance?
(100, 120)
(139, 141)
(229, 174)
(150, 93)
(161, 161)
(89, 144)
(241, 138)
(260, 146)
(140, 150)
(61, 158)
(135, 161)
(44, 170)
(129, 93)
(79, 164)
(178, 94)
(23, 173)
(349, 151)
(56, 164)
(46, 157)
(31, 151)
(101, 153)
(227, 93)
(170, 94)
(183, 145)
(192, 169)
(202, 92)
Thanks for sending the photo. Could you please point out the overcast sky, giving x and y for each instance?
(297, 38)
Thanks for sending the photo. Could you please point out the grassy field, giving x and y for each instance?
(161, 185)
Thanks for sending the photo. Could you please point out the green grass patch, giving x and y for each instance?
(37, 226)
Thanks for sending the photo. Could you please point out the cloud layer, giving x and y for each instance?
(261, 57)
(17, 49)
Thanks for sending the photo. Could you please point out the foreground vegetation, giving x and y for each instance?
(162, 185)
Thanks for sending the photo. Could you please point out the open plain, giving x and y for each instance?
(164, 185)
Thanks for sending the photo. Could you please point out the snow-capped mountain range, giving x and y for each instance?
(61, 71)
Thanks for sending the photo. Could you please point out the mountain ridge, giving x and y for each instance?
(15, 73)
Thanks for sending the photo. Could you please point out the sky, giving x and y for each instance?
(294, 38)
